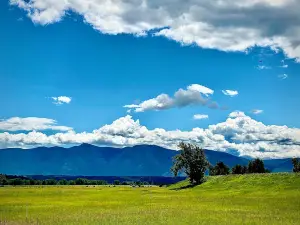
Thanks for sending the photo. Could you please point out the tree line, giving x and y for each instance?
(254, 166)
(4, 180)
(192, 161)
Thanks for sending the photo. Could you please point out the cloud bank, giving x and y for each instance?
(239, 134)
(30, 123)
(193, 95)
(225, 25)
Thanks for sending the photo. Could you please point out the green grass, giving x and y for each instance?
(247, 199)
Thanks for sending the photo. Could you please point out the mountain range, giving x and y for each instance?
(90, 160)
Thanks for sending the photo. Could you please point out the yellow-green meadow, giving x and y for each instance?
(233, 199)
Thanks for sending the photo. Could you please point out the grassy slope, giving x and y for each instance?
(248, 199)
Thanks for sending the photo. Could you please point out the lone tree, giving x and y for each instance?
(256, 166)
(191, 161)
(296, 165)
(219, 169)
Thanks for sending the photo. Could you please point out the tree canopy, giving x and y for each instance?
(192, 161)
(239, 169)
(256, 166)
(296, 165)
(219, 169)
(3, 180)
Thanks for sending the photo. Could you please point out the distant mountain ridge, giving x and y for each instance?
(90, 160)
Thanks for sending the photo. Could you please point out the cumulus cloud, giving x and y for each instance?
(200, 117)
(193, 95)
(283, 76)
(257, 111)
(239, 133)
(30, 123)
(225, 25)
(61, 100)
(231, 93)
(201, 89)
(236, 114)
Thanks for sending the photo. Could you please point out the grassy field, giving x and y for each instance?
(247, 199)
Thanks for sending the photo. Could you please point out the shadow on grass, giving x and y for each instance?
(189, 185)
(185, 187)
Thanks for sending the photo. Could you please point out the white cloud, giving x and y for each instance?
(263, 67)
(191, 96)
(132, 106)
(125, 127)
(61, 100)
(257, 111)
(231, 93)
(199, 88)
(283, 76)
(239, 133)
(200, 117)
(225, 25)
(30, 123)
(283, 64)
(236, 114)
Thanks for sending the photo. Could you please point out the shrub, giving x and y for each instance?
(38, 182)
(101, 182)
(16, 181)
(81, 181)
(72, 182)
(138, 183)
(50, 182)
(117, 182)
(62, 182)
(3, 180)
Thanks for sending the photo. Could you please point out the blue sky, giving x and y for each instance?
(101, 73)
